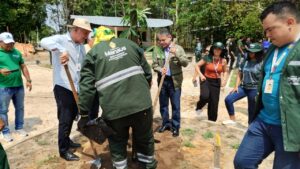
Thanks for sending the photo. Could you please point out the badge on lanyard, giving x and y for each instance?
(269, 86)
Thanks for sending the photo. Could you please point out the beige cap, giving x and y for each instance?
(81, 23)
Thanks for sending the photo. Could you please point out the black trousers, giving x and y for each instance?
(94, 112)
(66, 113)
(210, 93)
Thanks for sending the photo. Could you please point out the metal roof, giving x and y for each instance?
(116, 21)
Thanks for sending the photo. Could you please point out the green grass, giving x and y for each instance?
(188, 132)
(49, 160)
(235, 146)
(188, 143)
(207, 135)
(42, 142)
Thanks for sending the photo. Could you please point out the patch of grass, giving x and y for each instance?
(233, 78)
(235, 146)
(187, 143)
(207, 135)
(42, 142)
(49, 160)
(188, 132)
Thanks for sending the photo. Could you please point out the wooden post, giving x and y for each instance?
(217, 151)
(116, 31)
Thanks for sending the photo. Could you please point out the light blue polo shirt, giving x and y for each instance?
(271, 106)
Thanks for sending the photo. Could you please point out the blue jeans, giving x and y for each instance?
(169, 92)
(242, 92)
(16, 94)
(260, 140)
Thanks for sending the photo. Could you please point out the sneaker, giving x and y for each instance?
(199, 113)
(22, 132)
(7, 137)
(229, 122)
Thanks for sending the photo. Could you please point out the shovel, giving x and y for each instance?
(97, 160)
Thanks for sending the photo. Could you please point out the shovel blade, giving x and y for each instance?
(96, 164)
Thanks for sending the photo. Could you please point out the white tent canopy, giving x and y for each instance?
(116, 21)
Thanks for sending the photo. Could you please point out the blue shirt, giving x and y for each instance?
(58, 44)
(251, 74)
(167, 53)
(271, 108)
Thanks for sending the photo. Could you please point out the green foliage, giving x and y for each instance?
(22, 16)
(208, 135)
(128, 33)
(49, 160)
(235, 146)
(134, 18)
(188, 132)
(188, 143)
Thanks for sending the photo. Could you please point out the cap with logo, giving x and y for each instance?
(6, 37)
(81, 23)
(254, 47)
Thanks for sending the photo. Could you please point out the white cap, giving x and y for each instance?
(6, 37)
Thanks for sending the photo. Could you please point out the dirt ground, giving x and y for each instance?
(194, 149)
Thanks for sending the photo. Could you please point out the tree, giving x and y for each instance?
(22, 16)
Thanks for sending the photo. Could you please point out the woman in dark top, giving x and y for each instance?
(246, 82)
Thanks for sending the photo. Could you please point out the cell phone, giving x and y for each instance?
(15, 70)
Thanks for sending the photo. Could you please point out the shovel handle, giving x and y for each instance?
(71, 84)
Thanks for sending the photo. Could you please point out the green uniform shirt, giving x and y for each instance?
(3, 159)
(118, 71)
(11, 61)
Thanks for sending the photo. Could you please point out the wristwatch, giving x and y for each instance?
(29, 81)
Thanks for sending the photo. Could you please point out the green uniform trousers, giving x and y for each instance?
(143, 140)
(3, 159)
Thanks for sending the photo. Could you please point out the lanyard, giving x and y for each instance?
(275, 61)
(216, 66)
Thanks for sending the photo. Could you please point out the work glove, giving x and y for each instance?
(96, 129)
(82, 122)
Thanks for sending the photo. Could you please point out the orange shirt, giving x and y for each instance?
(213, 68)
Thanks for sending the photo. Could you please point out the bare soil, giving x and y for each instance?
(194, 149)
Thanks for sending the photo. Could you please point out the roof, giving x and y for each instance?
(117, 21)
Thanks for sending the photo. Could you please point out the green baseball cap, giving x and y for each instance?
(218, 45)
(254, 47)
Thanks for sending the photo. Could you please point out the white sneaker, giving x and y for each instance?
(199, 112)
(229, 122)
(22, 132)
(7, 137)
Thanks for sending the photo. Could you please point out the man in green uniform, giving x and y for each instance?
(3, 158)
(118, 71)
(11, 84)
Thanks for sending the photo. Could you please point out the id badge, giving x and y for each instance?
(269, 86)
(78, 67)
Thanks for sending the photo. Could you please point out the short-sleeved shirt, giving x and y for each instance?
(11, 60)
(251, 71)
(271, 107)
(213, 69)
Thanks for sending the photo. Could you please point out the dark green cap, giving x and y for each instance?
(218, 45)
(254, 47)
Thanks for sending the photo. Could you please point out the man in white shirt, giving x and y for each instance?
(67, 49)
